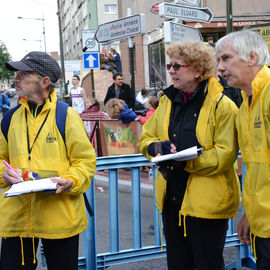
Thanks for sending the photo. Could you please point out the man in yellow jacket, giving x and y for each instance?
(242, 58)
(34, 144)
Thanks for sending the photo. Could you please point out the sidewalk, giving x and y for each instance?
(124, 181)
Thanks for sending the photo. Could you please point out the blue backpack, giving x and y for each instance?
(61, 116)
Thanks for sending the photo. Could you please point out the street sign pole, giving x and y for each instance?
(229, 16)
(131, 63)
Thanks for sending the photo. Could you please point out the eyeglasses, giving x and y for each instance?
(23, 75)
(176, 67)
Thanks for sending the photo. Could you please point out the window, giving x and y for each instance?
(157, 71)
(110, 9)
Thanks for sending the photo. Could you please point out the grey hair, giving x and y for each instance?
(244, 42)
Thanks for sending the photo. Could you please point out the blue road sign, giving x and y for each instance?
(91, 60)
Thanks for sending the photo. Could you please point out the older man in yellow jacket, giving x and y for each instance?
(242, 58)
(34, 144)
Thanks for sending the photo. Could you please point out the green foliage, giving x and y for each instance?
(5, 57)
(128, 135)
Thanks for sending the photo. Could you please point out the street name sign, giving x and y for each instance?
(186, 13)
(91, 60)
(177, 32)
(120, 29)
(89, 42)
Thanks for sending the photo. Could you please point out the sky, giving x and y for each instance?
(14, 30)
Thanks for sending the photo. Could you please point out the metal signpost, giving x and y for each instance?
(175, 32)
(185, 13)
(120, 29)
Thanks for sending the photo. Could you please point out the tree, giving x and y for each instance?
(4, 57)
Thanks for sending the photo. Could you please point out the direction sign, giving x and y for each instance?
(193, 14)
(120, 29)
(89, 42)
(176, 32)
(91, 60)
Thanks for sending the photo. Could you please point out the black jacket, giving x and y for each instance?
(233, 93)
(126, 94)
(182, 133)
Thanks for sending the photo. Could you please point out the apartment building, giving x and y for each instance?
(78, 15)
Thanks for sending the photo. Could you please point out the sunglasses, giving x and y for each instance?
(176, 67)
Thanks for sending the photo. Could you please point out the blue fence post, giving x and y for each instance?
(136, 207)
(89, 241)
(157, 228)
(114, 210)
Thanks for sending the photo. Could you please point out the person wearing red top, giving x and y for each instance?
(152, 105)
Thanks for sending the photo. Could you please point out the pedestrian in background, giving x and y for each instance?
(120, 90)
(152, 105)
(35, 145)
(4, 102)
(118, 109)
(117, 60)
(196, 197)
(243, 58)
(78, 95)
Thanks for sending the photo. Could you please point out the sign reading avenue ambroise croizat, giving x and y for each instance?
(126, 27)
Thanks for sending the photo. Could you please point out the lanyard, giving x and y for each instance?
(27, 132)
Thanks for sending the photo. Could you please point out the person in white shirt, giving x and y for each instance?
(142, 98)
(78, 95)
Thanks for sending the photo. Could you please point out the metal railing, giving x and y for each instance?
(94, 261)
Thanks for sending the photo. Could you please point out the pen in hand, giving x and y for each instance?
(8, 165)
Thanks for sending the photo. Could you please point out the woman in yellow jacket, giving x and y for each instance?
(196, 197)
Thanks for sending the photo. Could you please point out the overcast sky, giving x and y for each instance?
(13, 30)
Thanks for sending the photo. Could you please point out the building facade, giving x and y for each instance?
(152, 47)
(78, 15)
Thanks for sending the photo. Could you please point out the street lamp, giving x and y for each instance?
(39, 40)
(37, 19)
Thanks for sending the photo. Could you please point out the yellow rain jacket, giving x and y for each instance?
(253, 125)
(46, 215)
(213, 187)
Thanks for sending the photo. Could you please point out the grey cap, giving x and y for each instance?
(39, 62)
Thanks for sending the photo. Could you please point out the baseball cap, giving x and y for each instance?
(40, 62)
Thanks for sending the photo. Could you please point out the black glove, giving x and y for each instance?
(162, 148)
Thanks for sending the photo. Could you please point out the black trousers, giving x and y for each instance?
(61, 254)
(262, 247)
(201, 249)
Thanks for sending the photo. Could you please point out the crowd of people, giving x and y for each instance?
(203, 107)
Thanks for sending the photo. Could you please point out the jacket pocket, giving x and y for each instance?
(205, 196)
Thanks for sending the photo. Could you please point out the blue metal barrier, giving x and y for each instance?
(94, 261)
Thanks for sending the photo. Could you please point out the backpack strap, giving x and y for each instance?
(6, 121)
(61, 116)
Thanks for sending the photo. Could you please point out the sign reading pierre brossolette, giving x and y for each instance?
(120, 29)
(185, 13)
(176, 32)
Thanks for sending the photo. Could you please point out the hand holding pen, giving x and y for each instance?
(10, 175)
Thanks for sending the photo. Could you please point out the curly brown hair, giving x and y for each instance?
(196, 55)
(114, 106)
